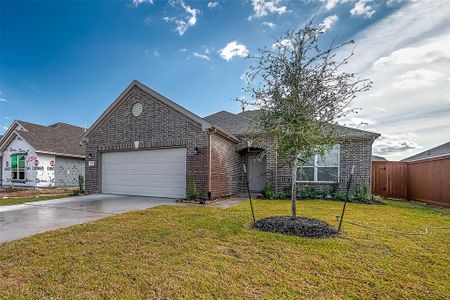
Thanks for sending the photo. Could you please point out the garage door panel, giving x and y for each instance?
(160, 173)
(142, 170)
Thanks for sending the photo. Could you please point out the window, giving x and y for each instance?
(18, 167)
(321, 168)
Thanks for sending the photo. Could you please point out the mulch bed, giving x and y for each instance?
(300, 226)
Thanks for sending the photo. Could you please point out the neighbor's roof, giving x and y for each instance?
(60, 138)
(378, 158)
(440, 150)
(240, 124)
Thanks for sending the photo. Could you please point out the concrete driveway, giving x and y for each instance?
(18, 221)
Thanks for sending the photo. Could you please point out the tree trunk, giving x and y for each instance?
(294, 188)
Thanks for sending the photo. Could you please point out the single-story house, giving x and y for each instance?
(33, 155)
(439, 151)
(378, 158)
(146, 144)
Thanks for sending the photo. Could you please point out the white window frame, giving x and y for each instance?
(316, 170)
(17, 169)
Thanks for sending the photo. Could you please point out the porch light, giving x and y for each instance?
(90, 156)
(196, 151)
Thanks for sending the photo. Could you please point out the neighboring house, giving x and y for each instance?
(378, 158)
(33, 155)
(441, 150)
(146, 144)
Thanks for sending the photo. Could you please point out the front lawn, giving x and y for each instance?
(198, 252)
(13, 201)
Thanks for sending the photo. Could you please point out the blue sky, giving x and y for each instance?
(67, 61)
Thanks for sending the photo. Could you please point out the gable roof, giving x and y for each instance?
(60, 138)
(229, 121)
(240, 124)
(378, 158)
(135, 83)
(440, 150)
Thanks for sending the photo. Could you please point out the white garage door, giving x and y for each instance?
(159, 173)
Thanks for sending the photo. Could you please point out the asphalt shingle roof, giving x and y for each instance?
(440, 150)
(378, 158)
(235, 124)
(240, 124)
(58, 138)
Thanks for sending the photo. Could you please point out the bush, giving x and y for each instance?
(81, 183)
(284, 194)
(192, 193)
(334, 189)
(362, 192)
(307, 192)
(268, 192)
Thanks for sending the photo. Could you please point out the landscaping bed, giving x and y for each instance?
(195, 252)
(10, 196)
(300, 226)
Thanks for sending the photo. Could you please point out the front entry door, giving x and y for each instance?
(257, 172)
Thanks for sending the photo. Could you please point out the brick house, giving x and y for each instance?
(146, 144)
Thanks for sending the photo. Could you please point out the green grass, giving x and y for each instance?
(199, 252)
(13, 201)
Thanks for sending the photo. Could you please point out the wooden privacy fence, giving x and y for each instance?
(425, 180)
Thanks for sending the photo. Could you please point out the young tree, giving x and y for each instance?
(301, 90)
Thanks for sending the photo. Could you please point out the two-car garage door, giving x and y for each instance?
(158, 173)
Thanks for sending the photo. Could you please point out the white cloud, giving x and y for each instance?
(282, 43)
(357, 122)
(328, 22)
(269, 24)
(330, 4)
(3, 100)
(434, 51)
(139, 2)
(382, 109)
(395, 144)
(233, 49)
(362, 8)
(263, 8)
(155, 53)
(419, 31)
(189, 20)
(212, 5)
(201, 56)
(417, 79)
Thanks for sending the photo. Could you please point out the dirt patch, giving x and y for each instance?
(300, 226)
(24, 193)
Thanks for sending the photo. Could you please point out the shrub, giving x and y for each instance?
(284, 194)
(268, 192)
(192, 193)
(307, 192)
(362, 192)
(334, 189)
(81, 183)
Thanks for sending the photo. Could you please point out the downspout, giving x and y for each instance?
(210, 163)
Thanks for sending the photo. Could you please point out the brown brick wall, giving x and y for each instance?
(158, 126)
(226, 167)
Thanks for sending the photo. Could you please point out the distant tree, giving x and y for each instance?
(302, 91)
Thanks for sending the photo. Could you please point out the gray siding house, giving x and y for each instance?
(33, 155)
(146, 144)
